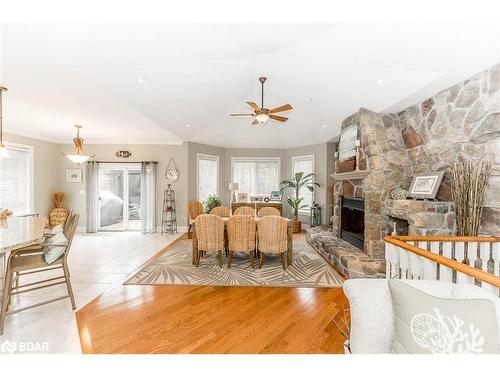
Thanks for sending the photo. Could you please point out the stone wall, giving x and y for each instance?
(462, 121)
(383, 152)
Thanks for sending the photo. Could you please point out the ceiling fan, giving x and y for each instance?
(262, 114)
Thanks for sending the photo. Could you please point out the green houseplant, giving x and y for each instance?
(211, 202)
(296, 183)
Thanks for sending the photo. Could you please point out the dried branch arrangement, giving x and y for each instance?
(344, 327)
(468, 185)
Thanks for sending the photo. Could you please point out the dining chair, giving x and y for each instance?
(271, 237)
(268, 211)
(241, 236)
(31, 260)
(221, 211)
(210, 236)
(244, 210)
(195, 208)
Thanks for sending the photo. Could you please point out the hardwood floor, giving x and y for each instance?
(207, 319)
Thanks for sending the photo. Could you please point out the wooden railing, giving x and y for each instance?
(462, 260)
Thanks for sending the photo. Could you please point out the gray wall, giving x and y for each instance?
(46, 170)
(161, 153)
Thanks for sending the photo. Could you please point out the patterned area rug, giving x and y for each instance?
(174, 268)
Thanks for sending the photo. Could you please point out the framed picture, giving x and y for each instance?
(276, 196)
(73, 175)
(426, 185)
(242, 197)
(347, 143)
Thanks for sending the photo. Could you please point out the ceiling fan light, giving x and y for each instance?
(262, 118)
(78, 158)
(3, 152)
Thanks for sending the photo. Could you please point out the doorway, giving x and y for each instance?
(120, 197)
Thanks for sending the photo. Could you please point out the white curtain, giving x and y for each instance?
(92, 187)
(256, 176)
(148, 196)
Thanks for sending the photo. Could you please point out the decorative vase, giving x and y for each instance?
(59, 214)
(296, 226)
(399, 193)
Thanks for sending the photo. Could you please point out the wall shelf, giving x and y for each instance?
(354, 175)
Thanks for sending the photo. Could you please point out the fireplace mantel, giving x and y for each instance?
(354, 175)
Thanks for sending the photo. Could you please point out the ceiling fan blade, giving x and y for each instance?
(254, 106)
(242, 114)
(285, 107)
(278, 118)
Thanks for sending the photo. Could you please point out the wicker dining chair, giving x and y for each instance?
(30, 260)
(195, 208)
(241, 236)
(271, 237)
(210, 236)
(244, 210)
(268, 211)
(221, 211)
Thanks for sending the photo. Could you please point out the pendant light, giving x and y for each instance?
(78, 156)
(3, 150)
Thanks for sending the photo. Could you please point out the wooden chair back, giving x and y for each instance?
(272, 234)
(268, 211)
(70, 230)
(195, 208)
(241, 233)
(244, 210)
(221, 211)
(209, 232)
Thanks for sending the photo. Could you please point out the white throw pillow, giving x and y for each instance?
(52, 253)
(57, 229)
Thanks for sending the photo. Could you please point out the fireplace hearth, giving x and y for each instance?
(352, 221)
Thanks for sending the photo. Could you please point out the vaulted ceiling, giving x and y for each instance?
(170, 83)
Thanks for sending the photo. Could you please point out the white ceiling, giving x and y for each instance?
(196, 74)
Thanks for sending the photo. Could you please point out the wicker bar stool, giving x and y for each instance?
(210, 234)
(195, 208)
(244, 210)
(271, 237)
(221, 211)
(241, 236)
(268, 211)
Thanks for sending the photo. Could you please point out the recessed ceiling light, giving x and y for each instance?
(324, 126)
(140, 80)
(188, 126)
(380, 82)
(308, 99)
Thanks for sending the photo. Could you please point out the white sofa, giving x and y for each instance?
(372, 316)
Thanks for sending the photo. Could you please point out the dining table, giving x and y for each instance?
(289, 239)
(16, 233)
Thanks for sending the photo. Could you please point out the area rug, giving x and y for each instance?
(173, 267)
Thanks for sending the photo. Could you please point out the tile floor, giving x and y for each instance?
(96, 262)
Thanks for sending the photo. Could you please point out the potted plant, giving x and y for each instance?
(296, 183)
(211, 202)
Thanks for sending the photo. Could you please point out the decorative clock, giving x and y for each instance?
(171, 173)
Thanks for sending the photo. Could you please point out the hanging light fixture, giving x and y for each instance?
(78, 156)
(3, 150)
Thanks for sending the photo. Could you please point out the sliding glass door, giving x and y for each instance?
(119, 196)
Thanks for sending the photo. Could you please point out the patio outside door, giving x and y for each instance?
(119, 196)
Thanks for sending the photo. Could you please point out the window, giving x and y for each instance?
(256, 175)
(304, 164)
(16, 179)
(208, 175)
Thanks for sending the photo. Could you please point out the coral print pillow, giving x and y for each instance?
(426, 324)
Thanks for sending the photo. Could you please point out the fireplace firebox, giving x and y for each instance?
(352, 221)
